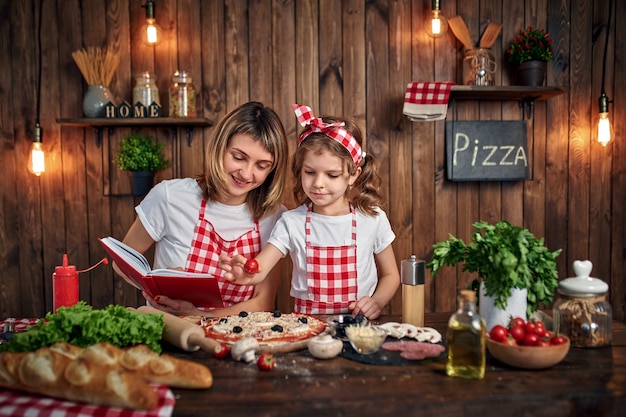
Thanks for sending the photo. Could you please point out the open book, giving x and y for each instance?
(197, 288)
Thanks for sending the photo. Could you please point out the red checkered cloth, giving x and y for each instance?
(426, 101)
(19, 404)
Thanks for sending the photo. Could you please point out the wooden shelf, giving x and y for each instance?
(137, 121)
(172, 122)
(513, 92)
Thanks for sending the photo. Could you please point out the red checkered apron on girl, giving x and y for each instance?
(331, 274)
(207, 246)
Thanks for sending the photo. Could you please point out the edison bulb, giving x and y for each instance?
(604, 129)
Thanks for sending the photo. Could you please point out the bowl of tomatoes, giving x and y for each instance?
(527, 345)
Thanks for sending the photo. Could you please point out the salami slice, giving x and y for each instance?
(415, 350)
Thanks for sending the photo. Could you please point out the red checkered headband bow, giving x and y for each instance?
(332, 130)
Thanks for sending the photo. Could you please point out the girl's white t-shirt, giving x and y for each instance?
(374, 234)
(170, 213)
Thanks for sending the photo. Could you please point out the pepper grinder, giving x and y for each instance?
(412, 279)
(64, 285)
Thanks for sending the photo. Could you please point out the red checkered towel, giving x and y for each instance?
(426, 101)
(21, 404)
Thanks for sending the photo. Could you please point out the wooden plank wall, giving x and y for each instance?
(348, 57)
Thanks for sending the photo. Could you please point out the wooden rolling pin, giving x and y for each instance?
(182, 333)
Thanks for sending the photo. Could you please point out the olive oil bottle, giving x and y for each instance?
(466, 339)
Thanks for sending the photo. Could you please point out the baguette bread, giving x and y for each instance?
(52, 373)
(143, 362)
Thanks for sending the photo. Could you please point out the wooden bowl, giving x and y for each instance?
(528, 357)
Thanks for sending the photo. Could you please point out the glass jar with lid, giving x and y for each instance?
(145, 91)
(182, 95)
(581, 311)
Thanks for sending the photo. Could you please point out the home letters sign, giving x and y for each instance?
(487, 151)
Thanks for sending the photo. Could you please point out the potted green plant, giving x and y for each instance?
(140, 154)
(505, 258)
(530, 51)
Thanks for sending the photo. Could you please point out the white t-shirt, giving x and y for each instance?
(373, 235)
(170, 213)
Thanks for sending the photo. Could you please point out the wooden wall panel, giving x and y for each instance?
(343, 57)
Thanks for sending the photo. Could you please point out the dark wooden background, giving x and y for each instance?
(350, 57)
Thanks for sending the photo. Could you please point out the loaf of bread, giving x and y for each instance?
(143, 362)
(52, 373)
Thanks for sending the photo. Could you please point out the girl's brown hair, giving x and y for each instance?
(264, 125)
(365, 194)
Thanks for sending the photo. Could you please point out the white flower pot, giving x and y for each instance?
(515, 307)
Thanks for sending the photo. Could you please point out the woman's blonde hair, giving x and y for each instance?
(365, 194)
(264, 125)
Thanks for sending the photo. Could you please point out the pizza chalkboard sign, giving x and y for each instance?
(487, 151)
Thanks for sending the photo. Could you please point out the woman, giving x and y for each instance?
(230, 208)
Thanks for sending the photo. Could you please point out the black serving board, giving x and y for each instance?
(385, 357)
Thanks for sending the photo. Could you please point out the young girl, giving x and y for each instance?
(230, 208)
(338, 238)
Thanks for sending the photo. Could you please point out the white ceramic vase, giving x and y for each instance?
(515, 307)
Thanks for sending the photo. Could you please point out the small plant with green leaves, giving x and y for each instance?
(140, 152)
(504, 257)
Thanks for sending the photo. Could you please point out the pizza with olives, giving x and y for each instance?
(269, 328)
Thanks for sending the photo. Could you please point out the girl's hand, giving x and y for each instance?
(235, 268)
(171, 305)
(366, 306)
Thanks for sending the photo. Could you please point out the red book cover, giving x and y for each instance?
(199, 289)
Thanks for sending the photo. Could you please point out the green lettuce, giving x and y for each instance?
(83, 326)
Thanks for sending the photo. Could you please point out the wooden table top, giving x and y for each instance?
(587, 382)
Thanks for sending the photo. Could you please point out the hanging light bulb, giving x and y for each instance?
(151, 33)
(438, 24)
(36, 162)
(604, 124)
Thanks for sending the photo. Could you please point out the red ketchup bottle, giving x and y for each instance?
(64, 285)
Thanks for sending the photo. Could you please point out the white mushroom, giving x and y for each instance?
(244, 349)
(324, 346)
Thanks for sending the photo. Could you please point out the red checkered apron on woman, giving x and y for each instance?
(331, 274)
(206, 247)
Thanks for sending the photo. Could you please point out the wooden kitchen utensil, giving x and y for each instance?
(183, 333)
(491, 33)
(460, 30)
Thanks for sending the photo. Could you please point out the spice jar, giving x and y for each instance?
(581, 311)
(145, 91)
(182, 95)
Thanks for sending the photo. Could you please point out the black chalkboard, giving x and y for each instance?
(487, 151)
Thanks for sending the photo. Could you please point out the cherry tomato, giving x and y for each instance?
(558, 340)
(498, 333)
(517, 321)
(251, 266)
(541, 327)
(222, 351)
(518, 333)
(531, 327)
(266, 361)
(530, 339)
(542, 343)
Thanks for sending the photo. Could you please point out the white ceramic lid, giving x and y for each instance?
(582, 284)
